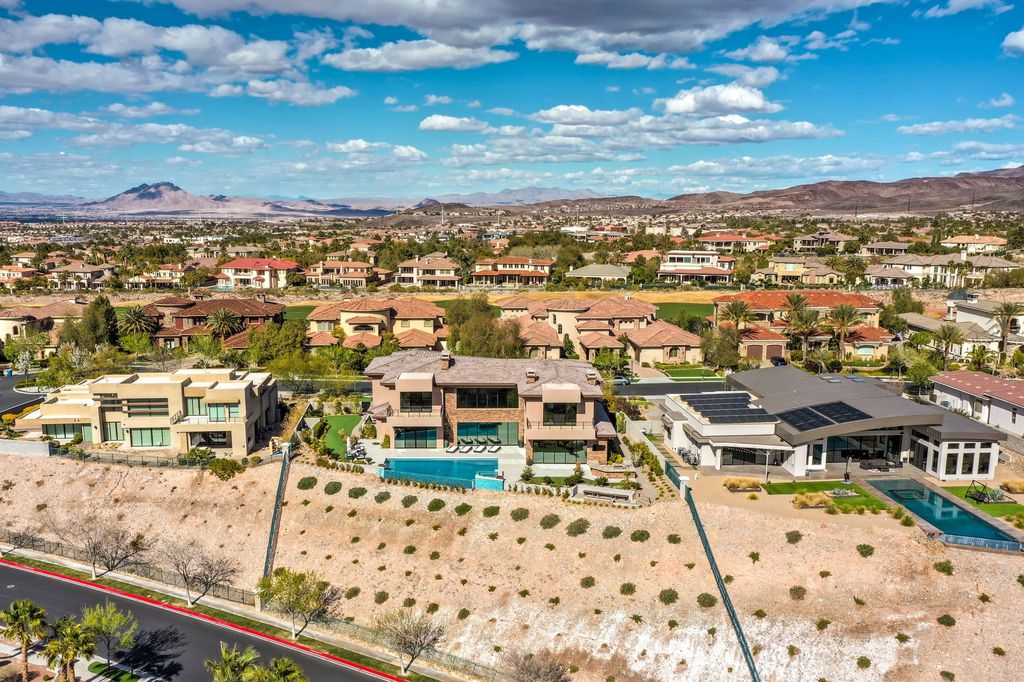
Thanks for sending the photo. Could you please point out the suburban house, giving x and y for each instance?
(576, 317)
(10, 274)
(662, 342)
(180, 318)
(884, 277)
(432, 270)
(596, 273)
(512, 271)
(341, 273)
(693, 266)
(797, 423)
(952, 270)
(982, 312)
(552, 409)
(823, 239)
(730, 241)
(885, 248)
(768, 306)
(226, 410)
(47, 319)
(975, 244)
(414, 323)
(80, 276)
(167, 275)
(796, 271)
(974, 334)
(257, 273)
(991, 400)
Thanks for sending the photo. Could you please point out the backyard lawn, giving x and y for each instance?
(670, 311)
(340, 421)
(297, 312)
(863, 497)
(995, 509)
(690, 373)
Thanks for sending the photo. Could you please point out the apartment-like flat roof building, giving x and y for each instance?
(226, 410)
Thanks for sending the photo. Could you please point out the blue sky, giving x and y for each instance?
(336, 98)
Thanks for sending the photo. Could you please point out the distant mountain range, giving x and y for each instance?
(997, 190)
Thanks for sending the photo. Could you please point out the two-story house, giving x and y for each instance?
(691, 266)
(257, 273)
(796, 271)
(432, 270)
(414, 323)
(341, 273)
(513, 271)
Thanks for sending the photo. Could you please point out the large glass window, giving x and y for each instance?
(222, 412)
(488, 433)
(195, 407)
(951, 458)
(483, 398)
(746, 456)
(416, 438)
(209, 439)
(839, 448)
(559, 451)
(416, 402)
(68, 431)
(113, 431)
(150, 438)
(559, 414)
(984, 460)
(147, 407)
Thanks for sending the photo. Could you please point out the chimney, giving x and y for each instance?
(261, 297)
(531, 376)
(446, 359)
(592, 377)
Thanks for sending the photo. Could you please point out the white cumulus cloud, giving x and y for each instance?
(969, 125)
(416, 55)
(718, 99)
(1013, 43)
(439, 122)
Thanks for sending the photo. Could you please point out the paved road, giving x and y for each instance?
(10, 399)
(173, 646)
(654, 388)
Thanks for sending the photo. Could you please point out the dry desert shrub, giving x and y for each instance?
(809, 500)
(1014, 486)
(734, 484)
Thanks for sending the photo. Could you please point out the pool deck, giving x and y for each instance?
(931, 530)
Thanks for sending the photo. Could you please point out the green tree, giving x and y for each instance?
(460, 310)
(232, 664)
(62, 370)
(920, 373)
(720, 347)
(69, 643)
(1004, 315)
(946, 336)
(805, 324)
(792, 306)
(195, 278)
(854, 268)
(223, 323)
(32, 342)
(25, 623)
(273, 340)
(303, 597)
(137, 344)
(568, 348)
(489, 337)
(207, 347)
(738, 314)
(110, 626)
(299, 371)
(135, 320)
(844, 318)
(980, 358)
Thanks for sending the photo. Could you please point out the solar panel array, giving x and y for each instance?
(820, 416)
(727, 408)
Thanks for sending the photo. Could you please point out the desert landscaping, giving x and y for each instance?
(613, 591)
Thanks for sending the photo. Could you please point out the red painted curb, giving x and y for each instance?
(203, 616)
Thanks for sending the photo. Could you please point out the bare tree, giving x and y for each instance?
(200, 571)
(542, 667)
(18, 539)
(409, 634)
(105, 543)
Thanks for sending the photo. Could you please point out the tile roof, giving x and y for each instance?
(321, 339)
(598, 340)
(816, 298)
(416, 338)
(659, 334)
(971, 330)
(975, 239)
(609, 308)
(367, 339)
(260, 264)
(239, 306)
(515, 260)
(982, 384)
(537, 333)
(869, 335)
(755, 332)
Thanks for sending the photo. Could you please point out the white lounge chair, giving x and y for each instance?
(452, 448)
(494, 448)
(466, 448)
(480, 448)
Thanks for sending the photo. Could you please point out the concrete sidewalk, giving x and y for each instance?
(81, 667)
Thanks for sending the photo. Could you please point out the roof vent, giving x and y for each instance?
(531, 376)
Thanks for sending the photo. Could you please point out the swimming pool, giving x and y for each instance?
(951, 519)
(445, 471)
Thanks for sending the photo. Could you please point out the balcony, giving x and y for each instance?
(560, 429)
(420, 416)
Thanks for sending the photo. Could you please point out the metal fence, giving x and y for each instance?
(984, 543)
(153, 461)
(726, 601)
(275, 519)
(27, 541)
(672, 475)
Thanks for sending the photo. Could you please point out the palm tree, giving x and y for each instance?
(820, 358)
(835, 262)
(854, 267)
(979, 358)
(70, 642)
(844, 318)
(947, 336)
(738, 313)
(806, 324)
(233, 663)
(793, 304)
(223, 323)
(279, 670)
(25, 623)
(1005, 314)
(134, 320)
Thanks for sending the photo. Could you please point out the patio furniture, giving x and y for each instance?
(452, 448)
(466, 449)
(494, 448)
(480, 448)
(982, 494)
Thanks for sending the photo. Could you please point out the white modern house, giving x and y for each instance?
(991, 400)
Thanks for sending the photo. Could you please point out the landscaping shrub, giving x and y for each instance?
(382, 497)
(225, 469)
(520, 514)
(797, 592)
(436, 504)
(865, 550)
(811, 500)
(1014, 486)
(356, 493)
(1020, 579)
(984, 598)
(385, 442)
(793, 536)
(947, 620)
(760, 613)
(307, 483)
(408, 602)
(863, 662)
(490, 512)
(706, 600)
(668, 597)
(822, 623)
(793, 650)
(463, 509)
(674, 539)
(332, 488)
(627, 589)
(902, 638)
(409, 500)
(463, 614)
(610, 532)
(999, 651)
(754, 557)
(352, 592)
(907, 521)
(380, 597)
(734, 484)
(550, 521)
(640, 536)
(587, 582)
(577, 527)
(945, 567)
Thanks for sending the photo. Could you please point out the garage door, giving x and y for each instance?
(774, 351)
(754, 351)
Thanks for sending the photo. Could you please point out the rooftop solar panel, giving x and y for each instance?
(840, 412)
(804, 419)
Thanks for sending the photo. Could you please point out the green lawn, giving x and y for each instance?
(340, 421)
(298, 312)
(445, 303)
(669, 311)
(101, 669)
(863, 497)
(690, 373)
(1002, 509)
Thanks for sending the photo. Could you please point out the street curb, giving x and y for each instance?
(202, 616)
